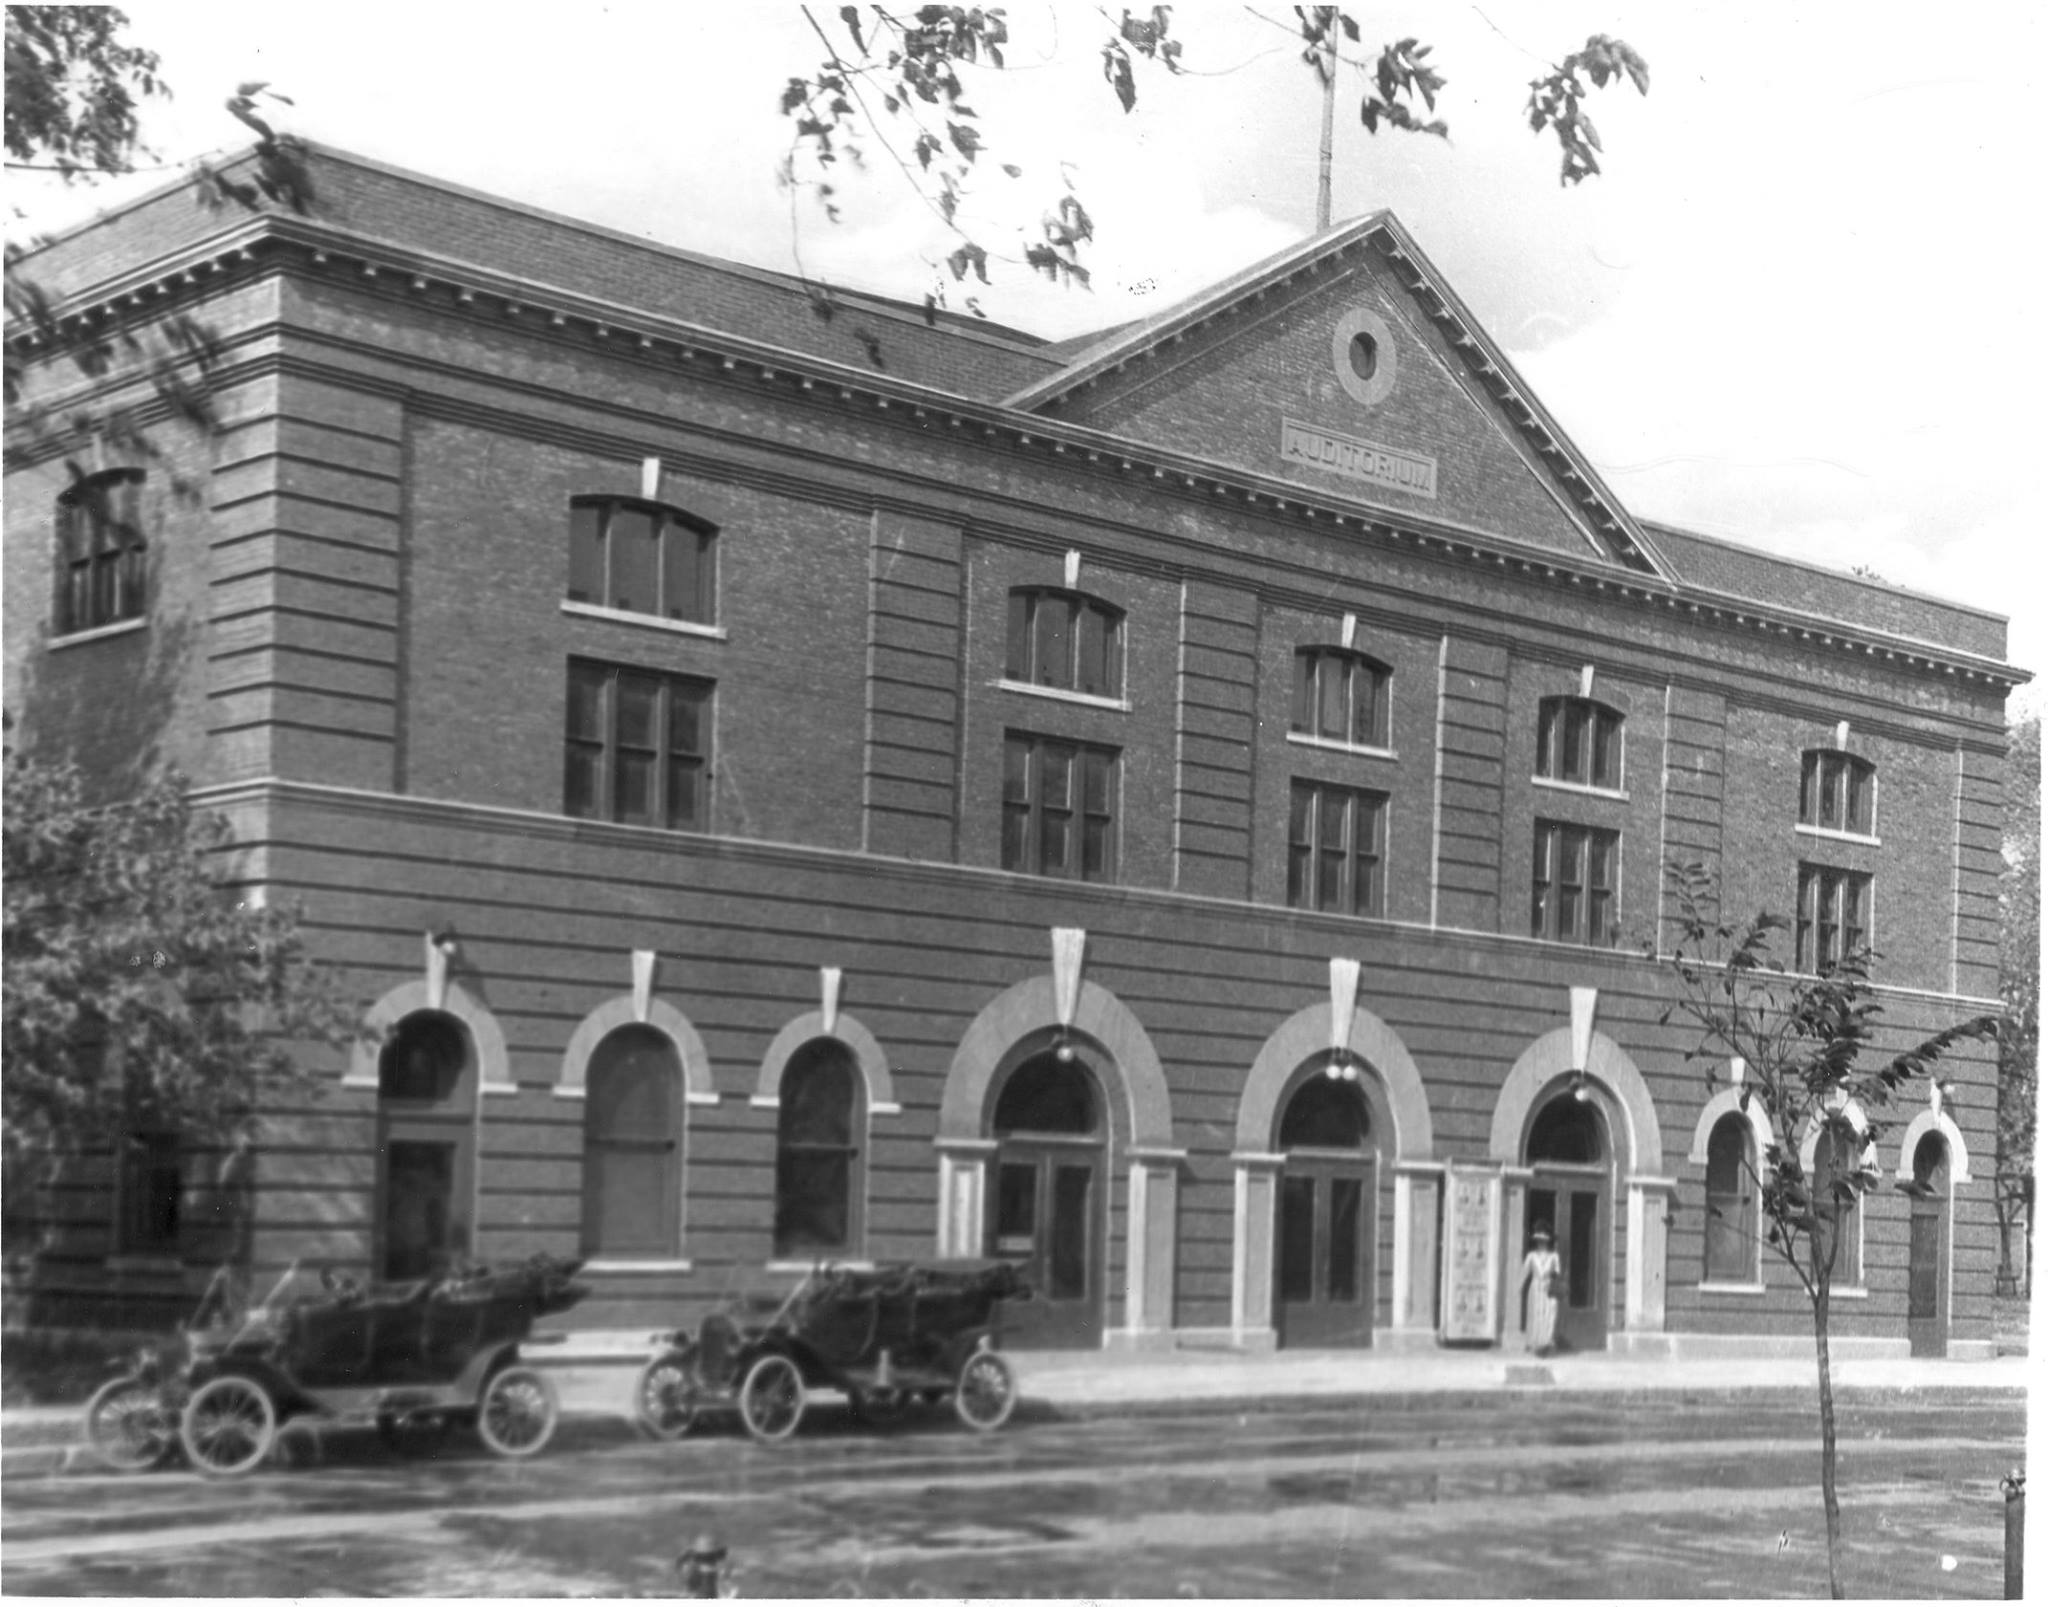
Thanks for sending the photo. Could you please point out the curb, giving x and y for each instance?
(58, 1457)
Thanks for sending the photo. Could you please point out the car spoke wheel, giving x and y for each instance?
(516, 1416)
(987, 1394)
(665, 1398)
(228, 1426)
(772, 1398)
(127, 1426)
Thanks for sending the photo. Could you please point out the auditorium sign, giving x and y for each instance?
(1357, 460)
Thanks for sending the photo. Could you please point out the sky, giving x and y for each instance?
(1798, 309)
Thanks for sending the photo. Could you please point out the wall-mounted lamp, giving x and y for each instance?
(1063, 1047)
(1582, 1085)
(1342, 1068)
(444, 940)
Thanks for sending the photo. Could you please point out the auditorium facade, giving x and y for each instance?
(792, 779)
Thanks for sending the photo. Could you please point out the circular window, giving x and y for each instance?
(1362, 352)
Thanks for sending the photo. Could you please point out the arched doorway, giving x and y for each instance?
(1050, 1128)
(1323, 1260)
(1570, 1158)
(1927, 1248)
(426, 1146)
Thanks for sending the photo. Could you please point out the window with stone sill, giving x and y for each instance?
(1837, 792)
(1064, 640)
(1342, 696)
(1336, 849)
(643, 558)
(1059, 808)
(819, 1179)
(1578, 741)
(101, 557)
(1731, 1226)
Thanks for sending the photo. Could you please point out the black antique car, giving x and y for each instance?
(414, 1359)
(888, 1338)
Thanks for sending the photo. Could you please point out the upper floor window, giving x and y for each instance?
(1837, 791)
(1336, 849)
(1834, 916)
(638, 747)
(642, 558)
(1341, 696)
(1065, 640)
(100, 552)
(1574, 884)
(1059, 808)
(1579, 741)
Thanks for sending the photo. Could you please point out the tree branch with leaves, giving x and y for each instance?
(1812, 1070)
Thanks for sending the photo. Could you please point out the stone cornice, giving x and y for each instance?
(274, 242)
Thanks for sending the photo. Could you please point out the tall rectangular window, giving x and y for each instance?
(1579, 741)
(1341, 696)
(642, 558)
(637, 747)
(1837, 792)
(100, 552)
(151, 1188)
(1059, 808)
(1834, 916)
(1574, 884)
(1336, 849)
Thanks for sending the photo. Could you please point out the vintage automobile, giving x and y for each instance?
(414, 1359)
(888, 1338)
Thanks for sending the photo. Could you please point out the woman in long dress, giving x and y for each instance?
(1542, 1275)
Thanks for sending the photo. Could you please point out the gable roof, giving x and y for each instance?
(1608, 524)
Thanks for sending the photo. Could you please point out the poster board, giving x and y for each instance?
(1472, 1245)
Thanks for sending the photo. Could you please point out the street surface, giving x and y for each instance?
(1492, 1495)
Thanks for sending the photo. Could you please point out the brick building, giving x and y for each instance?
(1179, 807)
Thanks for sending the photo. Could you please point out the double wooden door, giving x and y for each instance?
(1323, 1262)
(1047, 1216)
(1574, 1208)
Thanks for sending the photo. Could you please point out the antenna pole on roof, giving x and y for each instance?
(1326, 68)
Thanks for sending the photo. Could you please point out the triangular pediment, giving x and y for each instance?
(1347, 366)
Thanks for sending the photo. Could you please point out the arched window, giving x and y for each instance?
(424, 1059)
(818, 1174)
(633, 1146)
(1578, 741)
(1048, 1095)
(100, 552)
(1731, 1202)
(1837, 792)
(1066, 640)
(1341, 696)
(1567, 1131)
(642, 558)
(1326, 1113)
(1838, 1202)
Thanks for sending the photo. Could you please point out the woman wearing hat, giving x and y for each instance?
(1543, 1277)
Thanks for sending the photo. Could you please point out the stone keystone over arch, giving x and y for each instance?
(1607, 1063)
(1031, 1006)
(841, 1028)
(493, 1068)
(626, 1011)
(1306, 1034)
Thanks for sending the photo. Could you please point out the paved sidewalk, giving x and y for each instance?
(40, 1441)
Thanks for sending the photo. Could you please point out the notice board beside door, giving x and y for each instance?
(1472, 1273)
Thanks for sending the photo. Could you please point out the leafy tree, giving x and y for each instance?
(1809, 1047)
(900, 81)
(75, 89)
(2019, 986)
(141, 992)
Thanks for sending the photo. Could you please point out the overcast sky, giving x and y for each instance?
(1799, 309)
